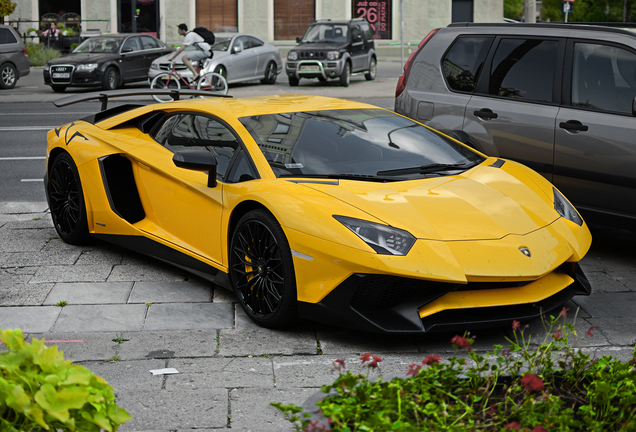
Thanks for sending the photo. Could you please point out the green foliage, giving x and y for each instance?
(513, 9)
(550, 387)
(7, 7)
(39, 54)
(40, 390)
(588, 10)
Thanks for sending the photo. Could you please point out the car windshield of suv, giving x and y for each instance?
(99, 45)
(324, 33)
(221, 44)
(365, 144)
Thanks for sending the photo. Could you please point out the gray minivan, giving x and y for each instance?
(14, 62)
(559, 98)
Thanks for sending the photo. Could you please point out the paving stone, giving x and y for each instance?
(174, 410)
(35, 221)
(604, 282)
(80, 346)
(224, 295)
(618, 331)
(19, 207)
(608, 305)
(15, 292)
(208, 373)
(102, 254)
(168, 344)
(242, 321)
(183, 316)
(171, 291)
(28, 240)
(90, 293)
(72, 273)
(45, 256)
(250, 409)
(77, 318)
(261, 341)
(347, 341)
(129, 375)
(150, 272)
(30, 319)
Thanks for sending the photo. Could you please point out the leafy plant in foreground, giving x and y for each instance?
(549, 387)
(39, 390)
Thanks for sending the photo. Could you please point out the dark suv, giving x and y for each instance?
(14, 62)
(559, 98)
(333, 50)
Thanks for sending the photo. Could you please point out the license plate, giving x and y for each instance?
(310, 68)
(62, 75)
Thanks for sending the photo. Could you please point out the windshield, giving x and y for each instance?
(335, 33)
(356, 142)
(99, 45)
(221, 44)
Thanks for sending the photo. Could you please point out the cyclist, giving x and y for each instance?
(191, 38)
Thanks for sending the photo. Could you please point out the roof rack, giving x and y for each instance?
(104, 96)
(592, 26)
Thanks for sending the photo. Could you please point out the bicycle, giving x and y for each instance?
(210, 81)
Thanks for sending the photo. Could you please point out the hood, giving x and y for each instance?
(324, 46)
(484, 203)
(81, 58)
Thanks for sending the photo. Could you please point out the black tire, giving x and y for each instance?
(110, 79)
(262, 270)
(322, 79)
(8, 76)
(66, 200)
(346, 75)
(293, 81)
(58, 88)
(373, 66)
(270, 73)
(220, 69)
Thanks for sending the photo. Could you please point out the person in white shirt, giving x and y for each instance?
(191, 38)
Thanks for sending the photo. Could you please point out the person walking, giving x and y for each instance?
(192, 38)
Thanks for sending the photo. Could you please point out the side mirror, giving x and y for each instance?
(197, 161)
(298, 39)
(126, 50)
(236, 49)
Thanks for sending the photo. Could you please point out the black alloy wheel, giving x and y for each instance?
(66, 200)
(270, 73)
(262, 270)
(110, 80)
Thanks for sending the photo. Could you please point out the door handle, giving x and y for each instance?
(486, 113)
(573, 126)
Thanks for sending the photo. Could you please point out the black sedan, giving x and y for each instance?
(107, 61)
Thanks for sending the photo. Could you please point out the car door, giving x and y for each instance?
(595, 149)
(358, 49)
(180, 207)
(258, 50)
(152, 50)
(514, 107)
(132, 60)
(244, 60)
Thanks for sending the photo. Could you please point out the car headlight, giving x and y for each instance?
(565, 209)
(292, 55)
(384, 239)
(47, 67)
(88, 67)
(333, 55)
(154, 65)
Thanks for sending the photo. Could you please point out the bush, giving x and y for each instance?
(39, 390)
(39, 54)
(553, 387)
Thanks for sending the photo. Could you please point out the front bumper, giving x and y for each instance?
(75, 78)
(314, 68)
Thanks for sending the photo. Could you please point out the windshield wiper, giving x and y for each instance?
(344, 176)
(423, 169)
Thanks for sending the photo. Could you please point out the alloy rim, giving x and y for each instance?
(64, 197)
(8, 77)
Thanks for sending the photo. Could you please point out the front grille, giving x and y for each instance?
(385, 292)
(168, 66)
(312, 55)
(62, 74)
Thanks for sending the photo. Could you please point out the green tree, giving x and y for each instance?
(588, 11)
(6, 8)
(513, 9)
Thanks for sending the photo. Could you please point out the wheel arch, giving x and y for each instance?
(238, 212)
(117, 67)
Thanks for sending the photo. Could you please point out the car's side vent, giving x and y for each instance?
(121, 189)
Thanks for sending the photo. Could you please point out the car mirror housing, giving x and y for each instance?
(298, 39)
(198, 161)
(236, 50)
(126, 50)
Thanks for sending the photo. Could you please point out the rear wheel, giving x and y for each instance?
(164, 81)
(58, 88)
(8, 76)
(66, 200)
(270, 73)
(110, 80)
(346, 75)
(262, 270)
(370, 76)
(213, 82)
(293, 81)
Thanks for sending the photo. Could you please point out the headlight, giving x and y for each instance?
(154, 65)
(47, 67)
(333, 55)
(292, 55)
(384, 239)
(565, 209)
(88, 67)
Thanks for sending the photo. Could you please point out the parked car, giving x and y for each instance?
(106, 61)
(14, 62)
(559, 98)
(333, 50)
(239, 57)
(321, 208)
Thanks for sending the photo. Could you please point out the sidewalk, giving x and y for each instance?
(127, 314)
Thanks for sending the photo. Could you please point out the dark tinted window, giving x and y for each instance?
(197, 132)
(254, 43)
(132, 43)
(6, 36)
(150, 43)
(603, 78)
(463, 62)
(524, 69)
(242, 169)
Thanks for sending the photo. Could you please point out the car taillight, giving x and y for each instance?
(24, 51)
(401, 85)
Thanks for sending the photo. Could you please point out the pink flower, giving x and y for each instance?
(461, 342)
(633, 362)
(339, 364)
(315, 426)
(433, 358)
(590, 332)
(516, 325)
(564, 312)
(414, 369)
(539, 429)
(558, 334)
(532, 382)
(514, 425)
(371, 359)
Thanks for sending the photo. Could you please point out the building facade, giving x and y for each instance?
(277, 21)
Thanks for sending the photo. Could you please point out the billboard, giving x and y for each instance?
(378, 13)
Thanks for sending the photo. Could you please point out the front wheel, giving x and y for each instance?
(66, 200)
(293, 81)
(8, 76)
(262, 270)
(270, 73)
(346, 75)
(110, 80)
(164, 81)
(214, 83)
(58, 88)
(370, 76)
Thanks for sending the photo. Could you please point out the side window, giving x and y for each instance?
(6, 37)
(356, 34)
(198, 132)
(463, 62)
(149, 43)
(241, 169)
(254, 43)
(132, 43)
(240, 43)
(603, 78)
(366, 31)
(524, 69)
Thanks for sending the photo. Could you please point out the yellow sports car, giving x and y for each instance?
(319, 208)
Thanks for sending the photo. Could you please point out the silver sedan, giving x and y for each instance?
(238, 57)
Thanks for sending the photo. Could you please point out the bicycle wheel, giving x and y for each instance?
(164, 81)
(213, 82)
